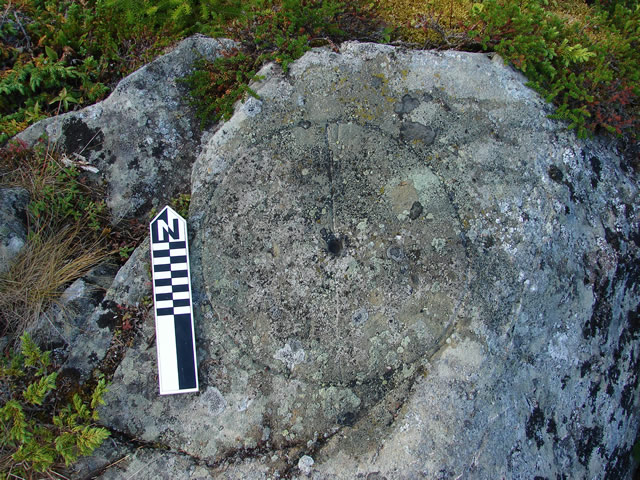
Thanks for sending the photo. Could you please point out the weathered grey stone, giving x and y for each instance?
(156, 465)
(89, 336)
(492, 334)
(13, 224)
(113, 454)
(61, 324)
(143, 138)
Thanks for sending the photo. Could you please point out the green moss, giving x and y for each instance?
(428, 23)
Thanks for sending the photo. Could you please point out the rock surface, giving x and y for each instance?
(401, 268)
(13, 224)
(143, 138)
(89, 338)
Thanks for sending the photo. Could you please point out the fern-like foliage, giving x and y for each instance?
(33, 356)
(14, 424)
(97, 397)
(36, 437)
(38, 390)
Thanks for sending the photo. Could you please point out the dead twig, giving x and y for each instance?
(4, 15)
(431, 23)
(24, 32)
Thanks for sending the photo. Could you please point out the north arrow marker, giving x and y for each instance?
(175, 340)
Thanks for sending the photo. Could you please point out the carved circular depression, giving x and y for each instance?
(333, 253)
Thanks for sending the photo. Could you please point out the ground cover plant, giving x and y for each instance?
(40, 430)
(590, 69)
(57, 55)
(69, 233)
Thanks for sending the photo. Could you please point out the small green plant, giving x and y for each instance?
(216, 86)
(591, 71)
(125, 252)
(181, 204)
(282, 31)
(37, 435)
(179, 16)
(58, 196)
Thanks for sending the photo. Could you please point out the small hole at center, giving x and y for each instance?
(335, 246)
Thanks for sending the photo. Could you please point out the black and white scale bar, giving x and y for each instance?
(175, 341)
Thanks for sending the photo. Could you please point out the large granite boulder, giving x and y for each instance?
(143, 138)
(401, 269)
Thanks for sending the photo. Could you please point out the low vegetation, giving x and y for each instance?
(63, 243)
(40, 430)
(47, 265)
(588, 67)
(58, 55)
(69, 233)
(58, 193)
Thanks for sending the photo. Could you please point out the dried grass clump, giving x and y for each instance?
(34, 282)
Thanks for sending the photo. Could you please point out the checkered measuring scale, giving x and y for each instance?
(175, 341)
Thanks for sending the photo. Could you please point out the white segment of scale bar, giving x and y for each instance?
(164, 304)
(166, 343)
(179, 266)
